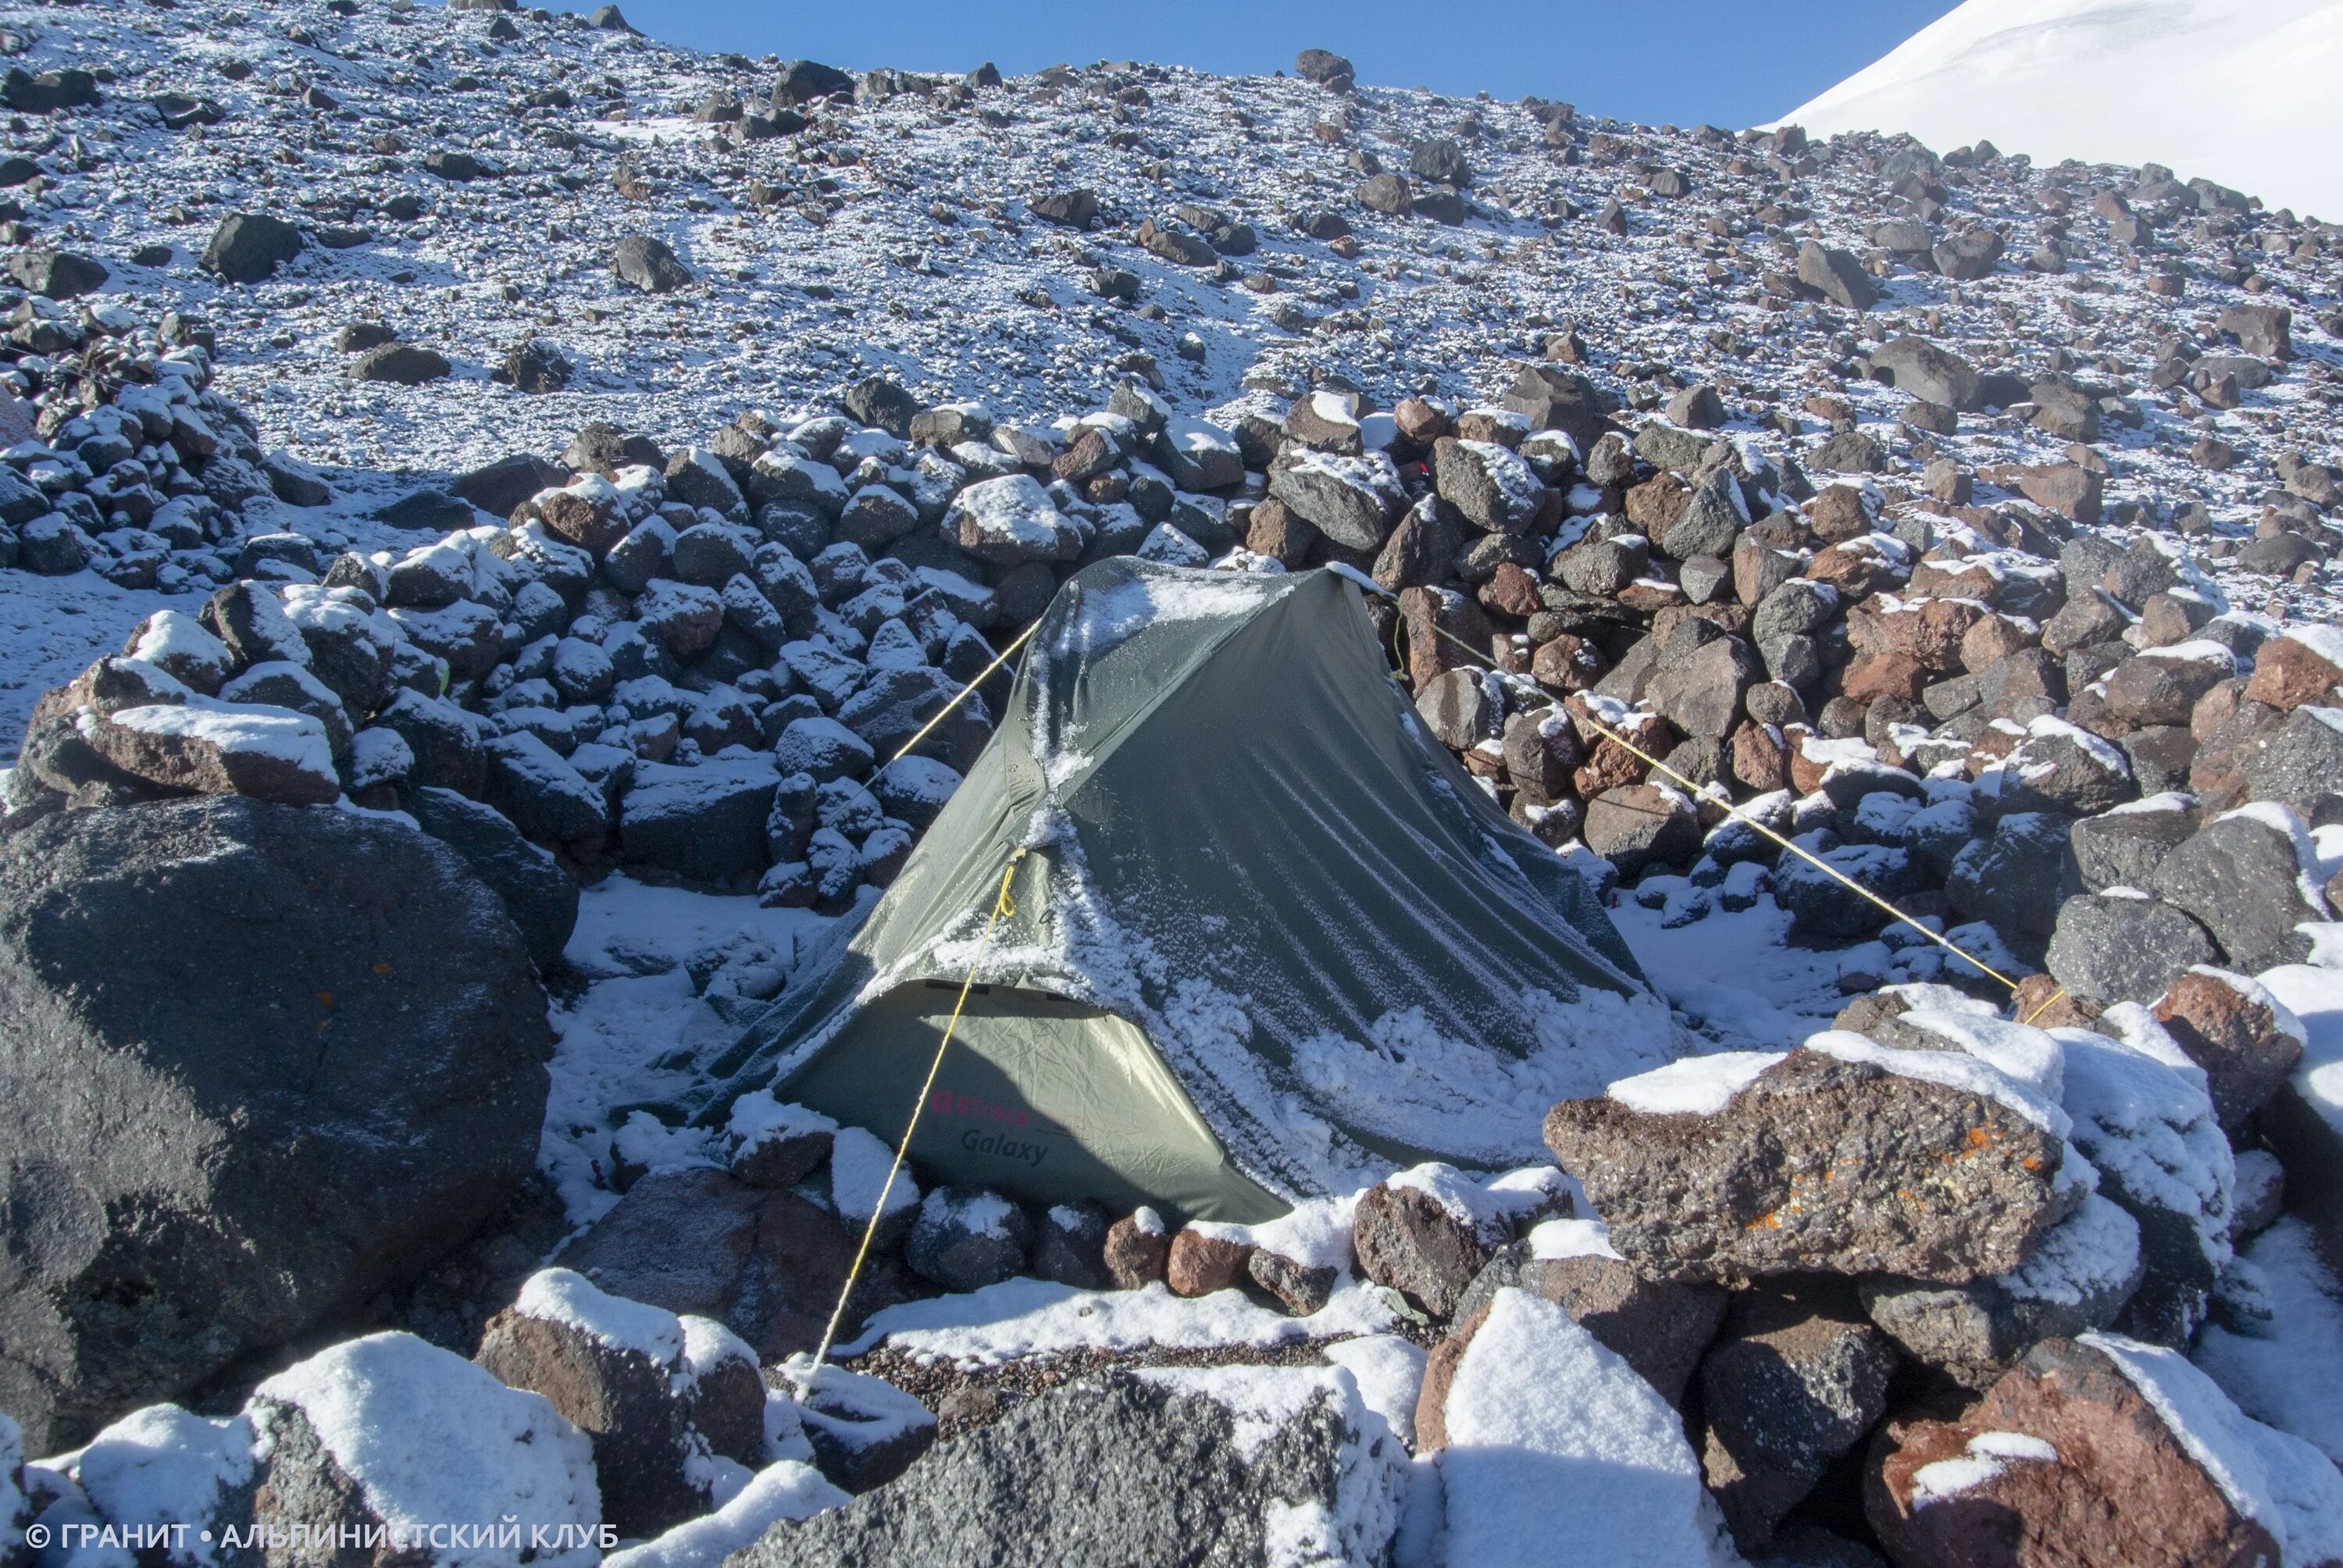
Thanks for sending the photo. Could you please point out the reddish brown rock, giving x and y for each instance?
(2217, 707)
(1657, 503)
(1438, 621)
(1837, 514)
(1956, 579)
(1199, 1264)
(1853, 568)
(640, 1416)
(1610, 765)
(1404, 1238)
(778, 1162)
(1646, 597)
(2287, 674)
(2121, 1492)
(1420, 421)
(1808, 770)
(803, 1253)
(268, 753)
(1759, 759)
(1993, 637)
(1929, 631)
(1890, 674)
(1511, 592)
(592, 525)
(2043, 1003)
(1567, 663)
(2217, 775)
(1137, 1250)
(2233, 1034)
(1488, 424)
(1439, 1375)
(2070, 489)
(770, 1264)
(1275, 531)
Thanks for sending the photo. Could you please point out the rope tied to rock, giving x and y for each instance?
(1003, 656)
(1716, 796)
(1003, 904)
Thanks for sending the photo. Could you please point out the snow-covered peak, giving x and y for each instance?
(2241, 91)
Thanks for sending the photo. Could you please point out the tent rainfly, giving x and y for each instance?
(1269, 939)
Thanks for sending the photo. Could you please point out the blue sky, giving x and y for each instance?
(1732, 62)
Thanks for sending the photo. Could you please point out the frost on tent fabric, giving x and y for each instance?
(1267, 940)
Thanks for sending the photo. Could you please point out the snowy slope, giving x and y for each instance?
(2242, 92)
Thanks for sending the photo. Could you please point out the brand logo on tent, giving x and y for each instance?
(947, 1102)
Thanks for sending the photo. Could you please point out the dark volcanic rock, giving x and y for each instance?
(248, 247)
(2242, 878)
(1796, 1378)
(1819, 1164)
(1132, 1469)
(2079, 1280)
(648, 265)
(1837, 277)
(2124, 947)
(1404, 1238)
(537, 892)
(259, 1064)
(401, 364)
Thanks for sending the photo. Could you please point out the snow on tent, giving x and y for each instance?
(1269, 940)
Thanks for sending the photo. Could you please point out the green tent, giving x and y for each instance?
(1269, 940)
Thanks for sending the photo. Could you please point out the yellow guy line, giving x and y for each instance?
(1005, 655)
(1002, 905)
(1716, 797)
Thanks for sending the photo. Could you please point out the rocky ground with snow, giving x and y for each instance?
(496, 505)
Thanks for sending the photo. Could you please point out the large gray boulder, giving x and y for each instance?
(249, 247)
(537, 892)
(2124, 946)
(706, 822)
(1353, 501)
(1837, 277)
(2012, 880)
(2123, 849)
(1820, 1161)
(1931, 374)
(2300, 762)
(2248, 877)
(1135, 1468)
(648, 265)
(257, 1064)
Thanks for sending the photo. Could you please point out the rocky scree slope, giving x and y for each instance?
(1996, 629)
